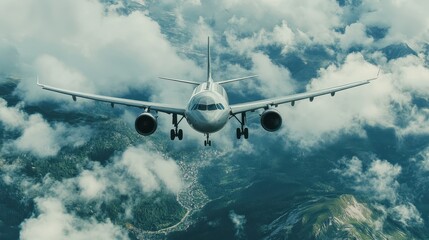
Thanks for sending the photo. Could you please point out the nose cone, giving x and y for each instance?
(206, 122)
(204, 113)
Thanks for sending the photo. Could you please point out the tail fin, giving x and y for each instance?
(209, 69)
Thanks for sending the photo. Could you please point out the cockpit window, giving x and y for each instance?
(211, 107)
(202, 107)
(208, 107)
(220, 106)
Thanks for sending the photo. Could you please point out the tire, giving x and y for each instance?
(180, 134)
(172, 134)
(246, 133)
(238, 133)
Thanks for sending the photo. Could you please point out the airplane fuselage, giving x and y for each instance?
(208, 108)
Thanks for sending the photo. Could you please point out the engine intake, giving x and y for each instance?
(271, 120)
(146, 124)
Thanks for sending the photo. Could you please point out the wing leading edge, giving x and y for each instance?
(165, 108)
(273, 102)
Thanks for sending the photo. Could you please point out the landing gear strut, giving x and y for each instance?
(176, 132)
(207, 142)
(242, 131)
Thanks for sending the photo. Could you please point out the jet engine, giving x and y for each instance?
(271, 120)
(146, 124)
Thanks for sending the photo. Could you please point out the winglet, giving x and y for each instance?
(378, 74)
(38, 81)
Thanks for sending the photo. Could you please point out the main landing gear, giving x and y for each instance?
(242, 131)
(207, 142)
(176, 132)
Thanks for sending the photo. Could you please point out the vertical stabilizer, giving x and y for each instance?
(209, 69)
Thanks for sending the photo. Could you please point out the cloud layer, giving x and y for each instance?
(99, 47)
(379, 181)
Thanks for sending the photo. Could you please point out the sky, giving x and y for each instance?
(98, 47)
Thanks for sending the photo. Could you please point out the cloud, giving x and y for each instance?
(43, 140)
(62, 205)
(407, 21)
(274, 80)
(355, 35)
(407, 214)
(92, 48)
(37, 136)
(152, 170)
(54, 222)
(136, 170)
(239, 222)
(378, 181)
(10, 117)
(425, 162)
(91, 184)
(326, 118)
(422, 160)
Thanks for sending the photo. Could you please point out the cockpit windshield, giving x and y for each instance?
(207, 104)
(208, 107)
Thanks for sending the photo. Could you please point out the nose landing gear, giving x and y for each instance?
(176, 132)
(207, 142)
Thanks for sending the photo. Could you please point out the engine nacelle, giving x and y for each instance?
(146, 124)
(271, 120)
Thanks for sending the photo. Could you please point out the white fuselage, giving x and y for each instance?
(208, 109)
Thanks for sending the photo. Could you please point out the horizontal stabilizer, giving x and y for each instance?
(235, 79)
(181, 80)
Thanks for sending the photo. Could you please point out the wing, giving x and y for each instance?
(251, 106)
(166, 108)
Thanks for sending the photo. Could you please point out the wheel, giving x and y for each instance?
(180, 134)
(246, 133)
(210, 142)
(172, 134)
(238, 133)
(205, 143)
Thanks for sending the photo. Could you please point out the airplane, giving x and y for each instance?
(208, 109)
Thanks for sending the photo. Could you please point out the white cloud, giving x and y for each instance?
(274, 80)
(324, 119)
(10, 117)
(407, 214)
(378, 182)
(239, 222)
(422, 160)
(137, 171)
(152, 170)
(43, 140)
(411, 75)
(91, 185)
(90, 49)
(407, 20)
(37, 136)
(355, 35)
(54, 222)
